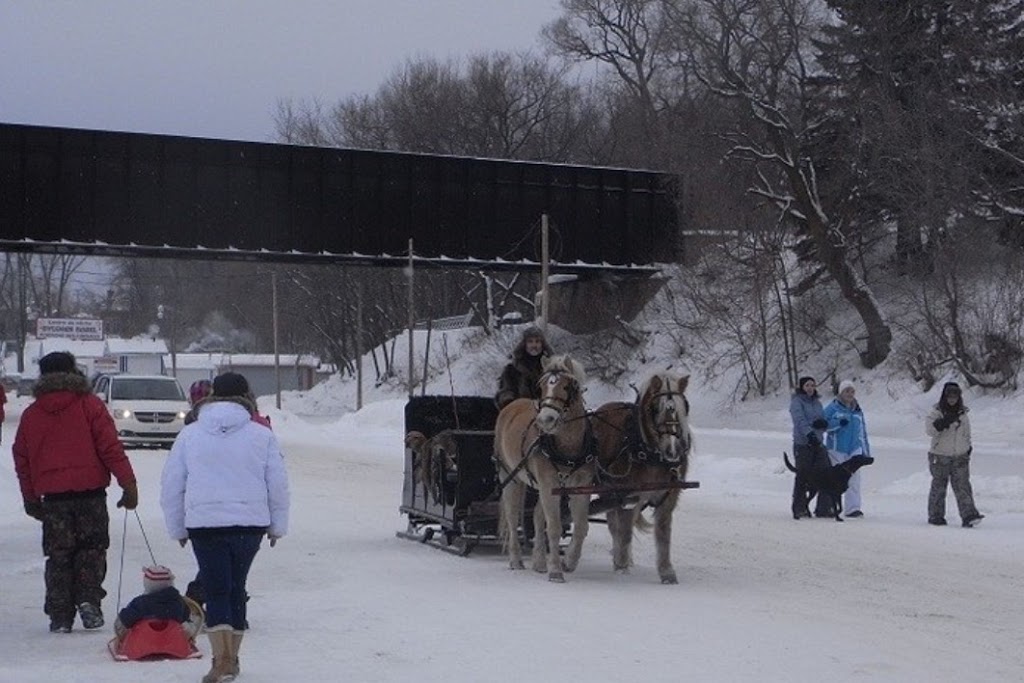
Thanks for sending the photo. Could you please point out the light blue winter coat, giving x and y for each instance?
(804, 410)
(853, 438)
(224, 470)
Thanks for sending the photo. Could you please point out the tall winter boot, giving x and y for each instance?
(223, 660)
(236, 644)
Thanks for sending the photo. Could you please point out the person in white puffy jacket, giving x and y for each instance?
(224, 487)
(949, 457)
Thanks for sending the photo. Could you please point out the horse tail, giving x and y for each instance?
(502, 528)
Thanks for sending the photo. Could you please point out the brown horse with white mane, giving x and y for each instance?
(642, 446)
(545, 445)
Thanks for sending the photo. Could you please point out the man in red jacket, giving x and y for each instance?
(65, 451)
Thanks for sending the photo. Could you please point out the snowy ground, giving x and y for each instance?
(761, 597)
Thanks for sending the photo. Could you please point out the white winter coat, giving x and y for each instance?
(224, 470)
(955, 440)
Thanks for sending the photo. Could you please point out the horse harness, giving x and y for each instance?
(545, 443)
(635, 447)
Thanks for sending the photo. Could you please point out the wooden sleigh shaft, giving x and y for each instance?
(623, 490)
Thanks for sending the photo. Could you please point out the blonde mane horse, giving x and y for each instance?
(645, 444)
(543, 445)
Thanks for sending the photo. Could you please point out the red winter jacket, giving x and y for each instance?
(67, 441)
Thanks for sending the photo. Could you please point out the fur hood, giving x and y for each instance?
(61, 381)
(519, 353)
(55, 391)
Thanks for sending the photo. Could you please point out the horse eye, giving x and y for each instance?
(552, 380)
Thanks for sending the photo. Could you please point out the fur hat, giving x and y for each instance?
(533, 332)
(802, 381)
(58, 361)
(230, 384)
(846, 384)
(156, 577)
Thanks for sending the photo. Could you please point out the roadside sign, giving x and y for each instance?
(69, 328)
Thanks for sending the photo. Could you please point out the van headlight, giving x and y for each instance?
(123, 414)
(181, 415)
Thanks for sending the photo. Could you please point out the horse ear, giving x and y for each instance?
(545, 361)
(683, 383)
(570, 366)
(656, 384)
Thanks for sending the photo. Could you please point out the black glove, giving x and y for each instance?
(130, 497)
(843, 422)
(942, 423)
(820, 423)
(34, 509)
(812, 438)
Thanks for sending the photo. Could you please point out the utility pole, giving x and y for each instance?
(277, 354)
(544, 273)
(412, 320)
(359, 344)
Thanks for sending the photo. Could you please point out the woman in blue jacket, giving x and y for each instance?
(808, 426)
(847, 437)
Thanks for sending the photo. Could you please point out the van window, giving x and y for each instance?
(146, 389)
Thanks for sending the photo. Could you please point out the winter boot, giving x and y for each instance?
(236, 644)
(91, 615)
(223, 660)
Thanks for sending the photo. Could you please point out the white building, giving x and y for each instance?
(298, 371)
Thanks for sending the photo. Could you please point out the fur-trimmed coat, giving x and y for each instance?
(521, 377)
(67, 441)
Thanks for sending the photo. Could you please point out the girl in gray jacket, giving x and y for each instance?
(949, 457)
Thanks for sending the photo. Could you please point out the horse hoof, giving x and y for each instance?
(622, 571)
(516, 565)
(556, 577)
(669, 579)
(540, 568)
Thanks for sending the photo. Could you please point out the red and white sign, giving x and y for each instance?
(69, 328)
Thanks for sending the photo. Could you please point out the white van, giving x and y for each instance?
(148, 410)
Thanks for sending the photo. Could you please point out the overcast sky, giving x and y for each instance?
(216, 68)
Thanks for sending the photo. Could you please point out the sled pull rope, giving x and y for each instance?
(144, 536)
(124, 535)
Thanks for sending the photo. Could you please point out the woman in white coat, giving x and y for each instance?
(224, 486)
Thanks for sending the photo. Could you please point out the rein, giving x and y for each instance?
(545, 442)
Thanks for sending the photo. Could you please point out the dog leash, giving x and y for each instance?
(124, 535)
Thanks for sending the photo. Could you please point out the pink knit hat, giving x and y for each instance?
(156, 577)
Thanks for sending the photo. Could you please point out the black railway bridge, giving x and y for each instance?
(104, 193)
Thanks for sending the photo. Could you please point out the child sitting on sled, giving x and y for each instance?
(159, 600)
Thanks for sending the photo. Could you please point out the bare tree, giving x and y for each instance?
(756, 54)
(967, 314)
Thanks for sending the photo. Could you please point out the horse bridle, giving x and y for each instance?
(560, 405)
(671, 426)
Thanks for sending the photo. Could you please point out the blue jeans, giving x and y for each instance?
(224, 558)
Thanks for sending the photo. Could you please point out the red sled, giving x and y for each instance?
(153, 639)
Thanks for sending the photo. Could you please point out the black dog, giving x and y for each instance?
(833, 480)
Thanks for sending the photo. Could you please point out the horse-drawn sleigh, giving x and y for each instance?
(470, 485)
